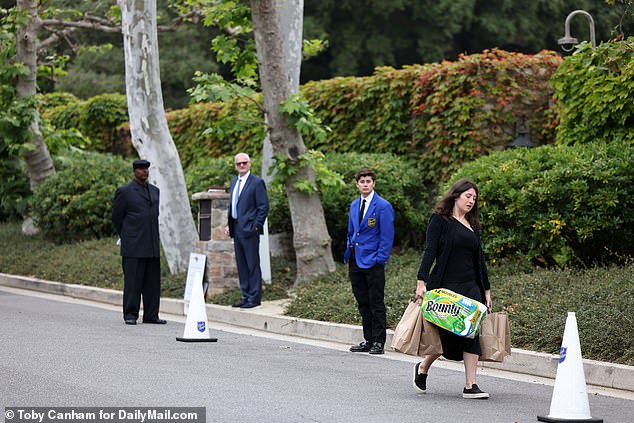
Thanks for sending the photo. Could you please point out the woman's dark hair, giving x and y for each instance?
(444, 207)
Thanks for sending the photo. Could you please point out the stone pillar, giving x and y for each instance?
(221, 271)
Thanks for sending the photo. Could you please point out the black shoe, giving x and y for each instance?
(420, 380)
(155, 321)
(249, 305)
(240, 304)
(377, 348)
(474, 393)
(130, 322)
(365, 346)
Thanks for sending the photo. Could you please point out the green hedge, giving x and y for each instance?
(103, 119)
(557, 204)
(594, 89)
(189, 128)
(76, 203)
(14, 189)
(444, 114)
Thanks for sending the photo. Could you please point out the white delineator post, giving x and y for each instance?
(570, 397)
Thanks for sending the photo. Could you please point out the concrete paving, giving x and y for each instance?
(270, 318)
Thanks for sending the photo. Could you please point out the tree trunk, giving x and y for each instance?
(149, 130)
(291, 23)
(310, 234)
(38, 159)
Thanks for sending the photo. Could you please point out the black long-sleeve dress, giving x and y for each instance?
(458, 264)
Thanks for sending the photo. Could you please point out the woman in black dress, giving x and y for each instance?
(453, 259)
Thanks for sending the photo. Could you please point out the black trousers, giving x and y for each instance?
(368, 287)
(141, 276)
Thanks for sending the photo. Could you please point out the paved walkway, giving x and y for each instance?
(270, 318)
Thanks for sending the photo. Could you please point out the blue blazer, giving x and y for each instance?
(373, 239)
(135, 217)
(253, 207)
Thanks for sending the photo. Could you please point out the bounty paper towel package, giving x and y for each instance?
(454, 312)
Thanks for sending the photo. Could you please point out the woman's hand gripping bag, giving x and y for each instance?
(454, 312)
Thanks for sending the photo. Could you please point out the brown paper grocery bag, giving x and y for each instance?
(429, 339)
(495, 337)
(406, 338)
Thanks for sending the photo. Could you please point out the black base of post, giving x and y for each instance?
(197, 339)
(557, 420)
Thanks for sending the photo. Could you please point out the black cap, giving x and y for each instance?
(140, 164)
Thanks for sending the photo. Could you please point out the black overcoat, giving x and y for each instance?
(135, 213)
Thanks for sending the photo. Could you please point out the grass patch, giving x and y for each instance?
(537, 300)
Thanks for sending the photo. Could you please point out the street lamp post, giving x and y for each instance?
(569, 40)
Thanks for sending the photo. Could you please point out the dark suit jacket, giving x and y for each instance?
(438, 245)
(135, 217)
(373, 238)
(253, 207)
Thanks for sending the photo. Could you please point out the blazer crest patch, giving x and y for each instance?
(372, 222)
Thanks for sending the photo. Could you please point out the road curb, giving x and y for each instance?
(267, 318)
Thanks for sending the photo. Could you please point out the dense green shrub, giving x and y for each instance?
(101, 117)
(66, 116)
(594, 89)
(50, 100)
(557, 204)
(14, 189)
(193, 139)
(76, 202)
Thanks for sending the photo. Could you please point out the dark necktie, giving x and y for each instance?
(361, 211)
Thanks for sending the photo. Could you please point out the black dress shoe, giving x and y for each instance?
(250, 305)
(377, 348)
(240, 304)
(130, 322)
(156, 321)
(365, 346)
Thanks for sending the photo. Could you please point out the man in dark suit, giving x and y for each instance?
(248, 208)
(369, 244)
(135, 213)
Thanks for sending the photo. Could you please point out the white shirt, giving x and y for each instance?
(368, 200)
(236, 193)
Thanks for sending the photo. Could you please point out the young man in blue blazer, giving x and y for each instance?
(369, 244)
(248, 209)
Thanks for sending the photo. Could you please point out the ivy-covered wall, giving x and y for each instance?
(595, 93)
(443, 113)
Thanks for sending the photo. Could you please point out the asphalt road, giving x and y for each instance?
(64, 353)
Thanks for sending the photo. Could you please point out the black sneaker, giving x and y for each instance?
(474, 393)
(420, 380)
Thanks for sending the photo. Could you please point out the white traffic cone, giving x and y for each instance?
(570, 398)
(196, 329)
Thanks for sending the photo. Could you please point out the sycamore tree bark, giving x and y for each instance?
(291, 14)
(310, 234)
(150, 133)
(37, 158)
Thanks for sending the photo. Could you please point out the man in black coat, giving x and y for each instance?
(248, 209)
(135, 213)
